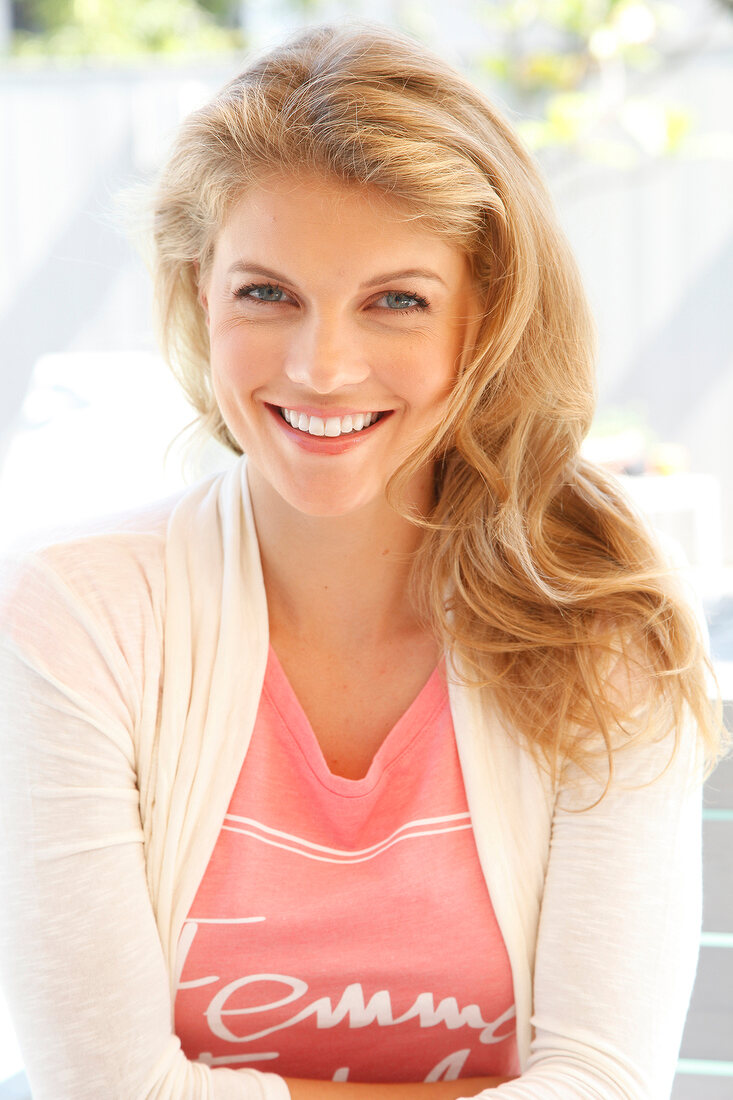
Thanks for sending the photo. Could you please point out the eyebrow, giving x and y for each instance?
(242, 266)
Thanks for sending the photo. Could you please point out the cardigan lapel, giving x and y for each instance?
(510, 801)
(215, 654)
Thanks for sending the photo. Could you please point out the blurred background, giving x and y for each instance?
(628, 106)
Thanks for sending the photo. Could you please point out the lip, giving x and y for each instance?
(323, 444)
(337, 410)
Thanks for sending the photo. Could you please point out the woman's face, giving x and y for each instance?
(336, 329)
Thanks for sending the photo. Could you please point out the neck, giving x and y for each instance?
(341, 579)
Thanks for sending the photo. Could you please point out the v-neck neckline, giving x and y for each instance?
(430, 699)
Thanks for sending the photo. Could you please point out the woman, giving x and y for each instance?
(370, 766)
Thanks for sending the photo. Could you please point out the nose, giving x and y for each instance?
(326, 355)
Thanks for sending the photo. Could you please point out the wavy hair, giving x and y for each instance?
(558, 600)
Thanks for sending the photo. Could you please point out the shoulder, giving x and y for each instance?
(104, 558)
(94, 591)
(111, 573)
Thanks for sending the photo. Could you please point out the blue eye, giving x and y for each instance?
(263, 292)
(399, 302)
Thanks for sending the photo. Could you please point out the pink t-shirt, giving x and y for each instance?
(343, 929)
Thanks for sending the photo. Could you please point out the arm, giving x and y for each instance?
(619, 933)
(82, 966)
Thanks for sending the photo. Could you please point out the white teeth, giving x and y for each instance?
(331, 426)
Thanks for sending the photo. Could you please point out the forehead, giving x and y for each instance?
(309, 219)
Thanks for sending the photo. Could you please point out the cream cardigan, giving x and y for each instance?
(131, 667)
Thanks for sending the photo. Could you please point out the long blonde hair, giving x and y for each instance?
(559, 600)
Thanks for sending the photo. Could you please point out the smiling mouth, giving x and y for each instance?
(331, 426)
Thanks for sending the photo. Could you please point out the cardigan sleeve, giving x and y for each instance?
(619, 932)
(82, 965)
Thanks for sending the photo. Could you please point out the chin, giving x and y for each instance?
(327, 494)
(328, 505)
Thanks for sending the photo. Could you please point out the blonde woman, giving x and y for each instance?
(371, 766)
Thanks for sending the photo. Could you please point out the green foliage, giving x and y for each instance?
(124, 28)
(222, 10)
(568, 66)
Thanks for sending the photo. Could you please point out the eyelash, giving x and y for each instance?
(420, 305)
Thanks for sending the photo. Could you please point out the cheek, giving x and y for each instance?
(435, 376)
(242, 360)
